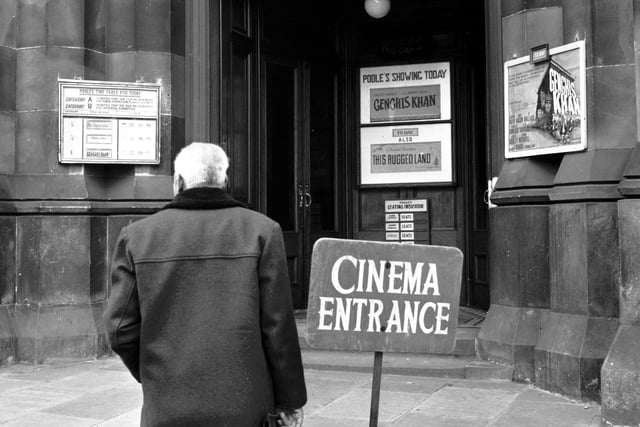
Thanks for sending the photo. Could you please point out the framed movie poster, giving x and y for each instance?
(400, 93)
(406, 124)
(545, 105)
(406, 154)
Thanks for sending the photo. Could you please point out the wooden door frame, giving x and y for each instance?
(232, 40)
(463, 161)
(301, 231)
(202, 65)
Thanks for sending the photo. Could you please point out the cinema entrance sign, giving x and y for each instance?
(383, 297)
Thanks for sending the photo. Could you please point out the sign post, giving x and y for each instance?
(375, 388)
(383, 297)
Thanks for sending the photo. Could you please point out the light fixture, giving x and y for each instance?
(377, 8)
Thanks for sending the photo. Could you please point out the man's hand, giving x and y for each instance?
(290, 418)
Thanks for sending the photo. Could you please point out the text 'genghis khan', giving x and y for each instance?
(408, 315)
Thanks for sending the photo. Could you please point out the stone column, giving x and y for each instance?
(519, 287)
(575, 334)
(584, 254)
(621, 369)
(58, 222)
(519, 226)
(583, 261)
(8, 54)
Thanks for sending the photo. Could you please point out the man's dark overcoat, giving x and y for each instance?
(200, 313)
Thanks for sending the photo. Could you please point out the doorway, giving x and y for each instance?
(282, 121)
(288, 196)
(307, 150)
(300, 156)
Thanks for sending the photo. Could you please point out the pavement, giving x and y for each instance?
(425, 390)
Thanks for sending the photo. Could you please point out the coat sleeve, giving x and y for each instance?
(122, 315)
(279, 333)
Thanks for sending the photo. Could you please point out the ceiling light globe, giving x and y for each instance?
(377, 8)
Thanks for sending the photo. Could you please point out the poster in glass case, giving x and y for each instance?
(407, 154)
(545, 105)
(108, 122)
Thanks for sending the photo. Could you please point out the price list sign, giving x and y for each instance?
(108, 122)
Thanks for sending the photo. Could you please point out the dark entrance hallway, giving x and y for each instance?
(309, 141)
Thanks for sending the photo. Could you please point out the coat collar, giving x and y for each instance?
(203, 198)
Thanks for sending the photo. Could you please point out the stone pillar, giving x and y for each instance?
(584, 254)
(519, 287)
(8, 54)
(519, 226)
(621, 369)
(575, 333)
(7, 286)
(583, 260)
(58, 222)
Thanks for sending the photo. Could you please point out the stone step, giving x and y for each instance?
(462, 363)
(419, 365)
(465, 338)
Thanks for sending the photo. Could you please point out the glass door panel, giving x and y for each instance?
(322, 150)
(283, 141)
(281, 145)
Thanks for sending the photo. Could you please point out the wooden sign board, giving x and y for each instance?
(379, 296)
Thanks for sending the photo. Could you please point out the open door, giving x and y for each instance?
(299, 160)
(286, 161)
(238, 103)
(278, 122)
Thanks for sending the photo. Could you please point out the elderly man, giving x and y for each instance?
(200, 308)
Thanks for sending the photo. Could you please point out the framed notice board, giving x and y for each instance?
(108, 122)
(406, 124)
(545, 103)
(410, 154)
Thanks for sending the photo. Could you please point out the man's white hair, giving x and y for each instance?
(202, 164)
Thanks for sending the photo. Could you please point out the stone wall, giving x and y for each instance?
(58, 222)
(566, 337)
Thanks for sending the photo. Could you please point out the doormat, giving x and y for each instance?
(471, 317)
